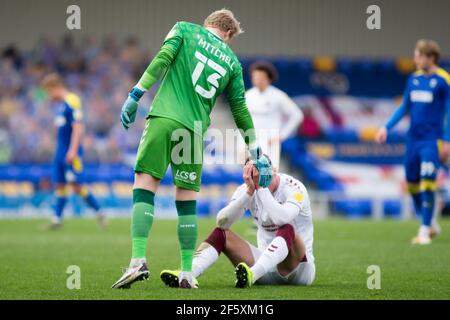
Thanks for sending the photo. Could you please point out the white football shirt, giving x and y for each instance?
(290, 190)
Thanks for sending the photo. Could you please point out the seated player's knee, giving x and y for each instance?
(287, 232)
(305, 275)
(217, 239)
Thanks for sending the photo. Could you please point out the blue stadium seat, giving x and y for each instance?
(354, 208)
(203, 207)
(392, 208)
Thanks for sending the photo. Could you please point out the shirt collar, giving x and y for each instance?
(214, 34)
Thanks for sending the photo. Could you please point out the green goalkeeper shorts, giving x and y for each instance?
(166, 141)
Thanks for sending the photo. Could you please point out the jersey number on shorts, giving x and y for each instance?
(213, 79)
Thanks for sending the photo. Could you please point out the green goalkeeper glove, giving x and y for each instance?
(264, 167)
(262, 164)
(255, 152)
(129, 108)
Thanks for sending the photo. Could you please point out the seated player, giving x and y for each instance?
(67, 163)
(282, 213)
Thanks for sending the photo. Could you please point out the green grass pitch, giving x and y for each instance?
(33, 262)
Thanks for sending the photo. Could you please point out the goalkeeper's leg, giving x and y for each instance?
(144, 190)
(187, 233)
(187, 179)
(153, 158)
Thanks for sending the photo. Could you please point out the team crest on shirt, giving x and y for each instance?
(415, 82)
(433, 83)
(60, 121)
(298, 196)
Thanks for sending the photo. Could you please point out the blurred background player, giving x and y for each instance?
(274, 114)
(284, 254)
(67, 163)
(196, 65)
(426, 100)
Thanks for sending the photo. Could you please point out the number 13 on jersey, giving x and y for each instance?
(213, 79)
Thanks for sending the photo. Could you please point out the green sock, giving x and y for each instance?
(187, 232)
(141, 223)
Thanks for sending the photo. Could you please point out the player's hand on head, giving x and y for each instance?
(262, 175)
(255, 177)
(381, 135)
(248, 178)
(255, 153)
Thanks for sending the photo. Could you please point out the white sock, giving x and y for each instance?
(424, 231)
(274, 254)
(137, 261)
(203, 259)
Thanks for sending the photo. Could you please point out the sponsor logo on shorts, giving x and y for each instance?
(185, 176)
(192, 176)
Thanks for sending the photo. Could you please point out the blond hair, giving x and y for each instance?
(52, 80)
(225, 21)
(429, 48)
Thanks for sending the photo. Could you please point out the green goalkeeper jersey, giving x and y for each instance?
(196, 66)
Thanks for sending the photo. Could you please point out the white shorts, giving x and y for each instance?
(303, 275)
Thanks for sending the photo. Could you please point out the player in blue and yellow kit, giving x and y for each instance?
(67, 163)
(426, 100)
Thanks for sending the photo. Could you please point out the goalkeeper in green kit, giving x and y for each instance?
(195, 66)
